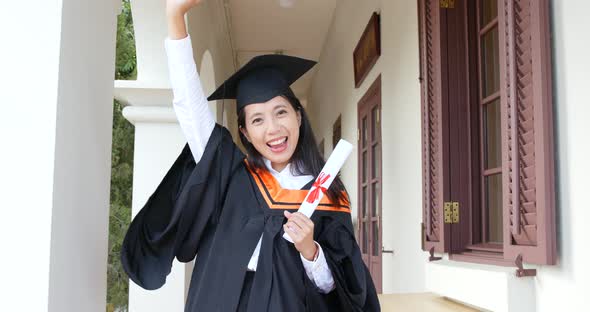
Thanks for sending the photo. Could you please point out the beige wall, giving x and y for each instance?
(564, 287)
(333, 93)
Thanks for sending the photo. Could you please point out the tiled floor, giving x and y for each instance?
(424, 302)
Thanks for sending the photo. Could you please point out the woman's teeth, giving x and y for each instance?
(278, 145)
(277, 142)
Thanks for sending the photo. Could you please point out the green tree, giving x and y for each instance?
(121, 167)
(126, 63)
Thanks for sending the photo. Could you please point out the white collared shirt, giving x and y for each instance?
(197, 124)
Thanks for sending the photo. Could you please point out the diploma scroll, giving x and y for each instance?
(324, 180)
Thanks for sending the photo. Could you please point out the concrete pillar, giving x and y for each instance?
(158, 141)
(57, 61)
(149, 23)
(158, 137)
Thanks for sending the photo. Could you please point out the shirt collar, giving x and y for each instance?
(286, 178)
(285, 171)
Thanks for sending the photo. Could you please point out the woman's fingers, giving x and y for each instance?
(295, 227)
(301, 227)
(302, 221)
(295, 236)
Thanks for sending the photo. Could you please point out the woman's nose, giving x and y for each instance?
(274, 126)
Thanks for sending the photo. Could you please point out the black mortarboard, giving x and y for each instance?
(262, 78)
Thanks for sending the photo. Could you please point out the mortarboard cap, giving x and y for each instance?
(262, 78)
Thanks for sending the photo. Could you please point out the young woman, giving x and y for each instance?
(230, 211)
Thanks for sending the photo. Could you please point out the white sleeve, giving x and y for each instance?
(319, 272)
(190, 103)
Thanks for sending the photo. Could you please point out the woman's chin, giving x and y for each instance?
(279, 158)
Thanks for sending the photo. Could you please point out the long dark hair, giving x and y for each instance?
(306, 160)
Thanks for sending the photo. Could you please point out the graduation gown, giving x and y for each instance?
(216, 210)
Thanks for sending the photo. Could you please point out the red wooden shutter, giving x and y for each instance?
(528, 160)
(434, 186)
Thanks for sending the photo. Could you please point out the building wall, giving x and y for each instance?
(333, 93)
(555, 287)
(563, 287)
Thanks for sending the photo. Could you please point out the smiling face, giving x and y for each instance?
(273, 129)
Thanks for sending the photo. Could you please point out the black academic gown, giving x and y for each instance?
(216, 210)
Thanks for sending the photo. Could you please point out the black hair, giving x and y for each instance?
(306, 159)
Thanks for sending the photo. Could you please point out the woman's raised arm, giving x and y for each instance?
(175, 11)
(190, 103)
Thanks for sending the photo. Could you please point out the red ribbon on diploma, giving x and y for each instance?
(317, 187)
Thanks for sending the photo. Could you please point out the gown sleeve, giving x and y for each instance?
(182, 211)
(354, 289)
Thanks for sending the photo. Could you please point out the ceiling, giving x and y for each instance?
(264, 26)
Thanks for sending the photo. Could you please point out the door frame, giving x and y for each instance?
(373, 259)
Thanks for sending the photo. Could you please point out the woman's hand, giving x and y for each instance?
(175, 11)
(300, 229)
(180, 7)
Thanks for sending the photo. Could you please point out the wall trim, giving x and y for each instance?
(488, 287)
(149, 114)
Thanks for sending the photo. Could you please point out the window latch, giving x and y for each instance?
(522, 272)
(432, 257)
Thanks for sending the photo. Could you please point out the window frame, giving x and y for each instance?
(524, 38)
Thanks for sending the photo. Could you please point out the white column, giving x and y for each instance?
(158, 138)
(158, 142)
(57, 61)
(149, 23)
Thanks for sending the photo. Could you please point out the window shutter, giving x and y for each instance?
(527, 132)
(434, 186)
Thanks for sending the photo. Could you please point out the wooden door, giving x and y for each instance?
(369, 181)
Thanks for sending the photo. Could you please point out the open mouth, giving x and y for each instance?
(278, 145)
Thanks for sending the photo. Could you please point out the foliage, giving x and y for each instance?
(126, 62)
(121, 166)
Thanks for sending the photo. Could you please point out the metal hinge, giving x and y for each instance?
(451, 212)
(447, 4)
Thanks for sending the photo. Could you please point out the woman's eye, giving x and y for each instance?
(257, 120)
(282, 112)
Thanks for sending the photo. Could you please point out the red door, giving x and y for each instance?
(369, 180)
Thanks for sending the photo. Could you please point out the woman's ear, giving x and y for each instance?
(245, 133)
(299, 117)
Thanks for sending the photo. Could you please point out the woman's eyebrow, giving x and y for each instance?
(255, 115)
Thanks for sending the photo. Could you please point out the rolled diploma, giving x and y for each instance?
(331, 168)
